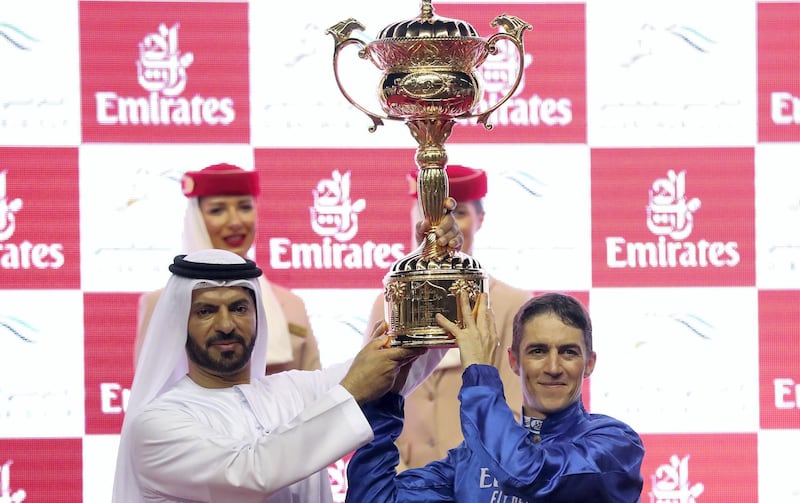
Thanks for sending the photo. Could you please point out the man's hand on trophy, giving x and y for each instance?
(379, 333)
(376, 367)
(477, 340)
(448, 233)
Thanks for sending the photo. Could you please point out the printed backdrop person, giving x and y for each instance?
(432, 411)
(221, 213)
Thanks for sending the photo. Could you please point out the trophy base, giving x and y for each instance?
(423, 341)
(416, 290)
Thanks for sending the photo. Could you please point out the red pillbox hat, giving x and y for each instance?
(220, 180)
(465, 184)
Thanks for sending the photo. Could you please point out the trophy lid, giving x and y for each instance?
(428, 25)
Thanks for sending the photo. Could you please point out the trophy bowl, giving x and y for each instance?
(428, 81)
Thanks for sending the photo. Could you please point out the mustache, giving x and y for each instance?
(224, 338)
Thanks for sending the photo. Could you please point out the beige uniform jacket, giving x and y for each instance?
(304, 346)
(432, 421)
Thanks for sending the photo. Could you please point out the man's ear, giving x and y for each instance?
(590, 362)
(513, 362)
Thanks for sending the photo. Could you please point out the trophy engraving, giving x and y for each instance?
(429, 82)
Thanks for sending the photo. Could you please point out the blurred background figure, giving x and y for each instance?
(432, 411)
(221, 213)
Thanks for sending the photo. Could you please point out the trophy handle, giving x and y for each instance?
(341, 35)
(514, 29)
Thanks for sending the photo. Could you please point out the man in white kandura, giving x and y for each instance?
(203, 422)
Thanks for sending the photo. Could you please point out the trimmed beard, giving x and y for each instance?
(228, 363)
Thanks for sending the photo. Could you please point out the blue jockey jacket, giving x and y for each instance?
(577, 458)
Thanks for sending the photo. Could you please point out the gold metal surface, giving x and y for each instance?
(429, 82)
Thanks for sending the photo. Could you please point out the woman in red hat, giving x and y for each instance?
(221, 213)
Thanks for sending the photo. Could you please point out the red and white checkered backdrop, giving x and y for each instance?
(647, 163)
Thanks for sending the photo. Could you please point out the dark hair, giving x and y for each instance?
(567, 308)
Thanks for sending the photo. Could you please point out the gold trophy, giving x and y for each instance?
(429, 81)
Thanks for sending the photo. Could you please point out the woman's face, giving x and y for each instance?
(231, 222)
(469, 220)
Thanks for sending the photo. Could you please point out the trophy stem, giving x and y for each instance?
(432, 182)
